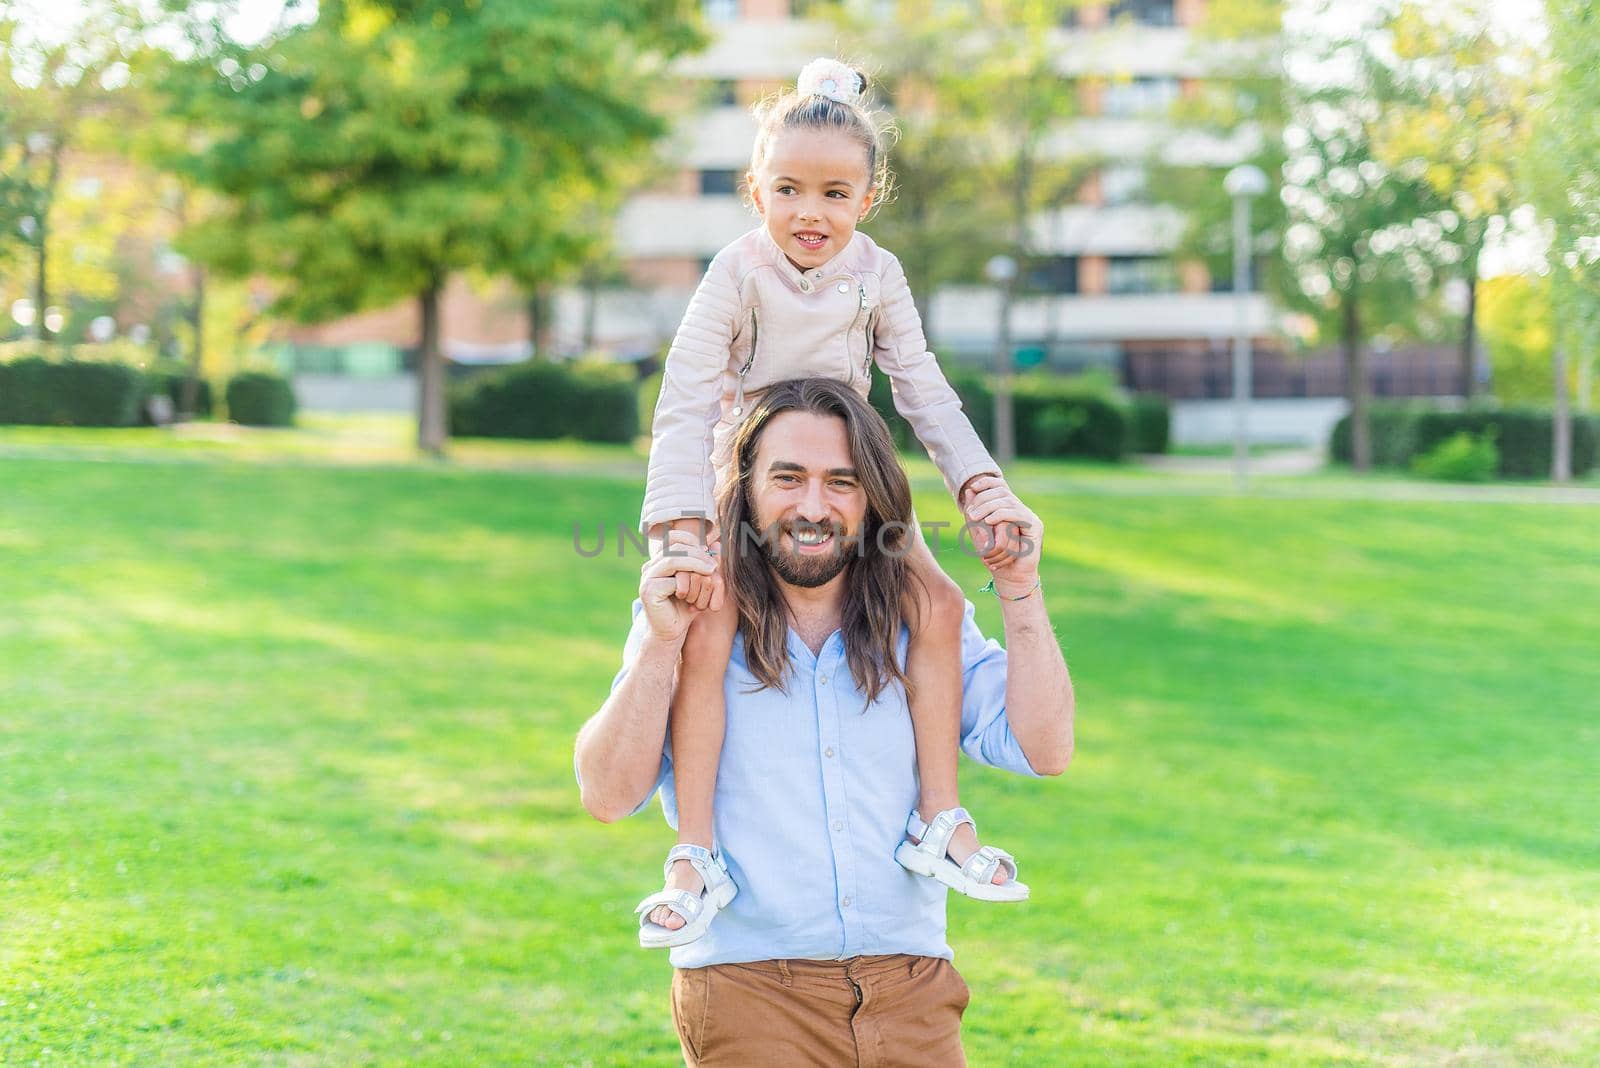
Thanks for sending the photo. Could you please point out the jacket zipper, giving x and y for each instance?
(861, 306)
(755, 336)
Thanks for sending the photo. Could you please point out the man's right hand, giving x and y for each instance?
(664, 586)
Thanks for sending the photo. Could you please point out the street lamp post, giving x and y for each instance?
(1243, 183)
(1001, 271)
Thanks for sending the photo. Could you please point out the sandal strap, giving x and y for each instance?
(709, 865)
(982, 865)
(934, 836)
(682, 902)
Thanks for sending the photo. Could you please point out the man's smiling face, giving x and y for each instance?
(806, 497)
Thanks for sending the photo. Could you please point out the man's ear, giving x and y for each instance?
(755, 192)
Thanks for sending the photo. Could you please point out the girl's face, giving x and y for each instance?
(812, 189)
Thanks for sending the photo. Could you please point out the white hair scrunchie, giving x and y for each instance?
(832, 79)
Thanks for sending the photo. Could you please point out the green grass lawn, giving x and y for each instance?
(285, 772)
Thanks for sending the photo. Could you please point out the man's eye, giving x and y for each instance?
(787, 478)
(843, 483)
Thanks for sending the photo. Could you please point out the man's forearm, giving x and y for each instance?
(1039, 700)
(619, 749)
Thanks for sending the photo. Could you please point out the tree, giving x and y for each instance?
(1459, 102)
(368, 156)
(58, 95)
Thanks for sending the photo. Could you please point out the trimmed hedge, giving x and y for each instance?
(1524, 437)
(1150, 428)
(1052, 416)
(169, 379)
(540, 399)
(260, 398)
(70, 392)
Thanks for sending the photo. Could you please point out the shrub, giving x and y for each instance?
(540, 399)
(260, 398)
(1149, 423)
(1393, 429)
(1056, 417)
(1460, 458)
(70, 392)
(1524, 437)
(168, 377)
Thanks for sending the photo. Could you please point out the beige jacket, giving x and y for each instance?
(756, 320)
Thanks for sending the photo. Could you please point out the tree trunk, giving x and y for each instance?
(41, 280)
(1561, 450)
(190, 395)
(591, 307)
(1469, 335)
(539, 321)
(432, 414)
(1355, 386)
(41, 288)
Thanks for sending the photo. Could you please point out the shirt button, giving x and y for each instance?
(844, 287)
(838, 825)
(828, 752)
(845, 902)
(822, 680)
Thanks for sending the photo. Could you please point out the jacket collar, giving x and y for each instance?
(807, 280)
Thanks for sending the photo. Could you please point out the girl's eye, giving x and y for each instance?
(786, 189)
(840, 193)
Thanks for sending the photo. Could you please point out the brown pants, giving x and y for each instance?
(866, 1012)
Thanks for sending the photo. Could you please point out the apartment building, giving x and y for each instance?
(1106, 292)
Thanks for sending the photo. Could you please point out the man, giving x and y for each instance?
(831, 953)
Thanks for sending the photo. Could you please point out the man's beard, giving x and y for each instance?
(806, 571)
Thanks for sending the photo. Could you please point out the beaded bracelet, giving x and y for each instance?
(988, 587)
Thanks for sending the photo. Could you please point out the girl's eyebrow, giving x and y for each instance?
(830, 181)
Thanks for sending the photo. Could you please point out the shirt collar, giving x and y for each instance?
(794, 275)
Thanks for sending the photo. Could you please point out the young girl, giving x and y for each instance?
(805, 294)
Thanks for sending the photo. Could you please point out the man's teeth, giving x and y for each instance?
(812, 537)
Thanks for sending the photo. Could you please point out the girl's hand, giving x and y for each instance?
(663, 576)
(1012, 530)
(699, 589)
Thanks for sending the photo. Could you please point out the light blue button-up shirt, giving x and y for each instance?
(813, 791)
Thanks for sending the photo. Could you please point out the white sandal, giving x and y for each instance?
(697, 910)
(929, 855)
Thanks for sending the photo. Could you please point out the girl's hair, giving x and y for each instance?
(825, 99)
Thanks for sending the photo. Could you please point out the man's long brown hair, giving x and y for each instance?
(875, 601)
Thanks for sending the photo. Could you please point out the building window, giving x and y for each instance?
(721, 10)
(1124, 184)
(722, 93)
(1053, 274)
(719, 183)
(1139, 96)
(1140, 274)
(1145, 12)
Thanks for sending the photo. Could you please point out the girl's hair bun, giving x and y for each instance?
(834, 80)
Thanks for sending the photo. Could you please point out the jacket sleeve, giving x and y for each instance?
(680, 481)
(921, 393)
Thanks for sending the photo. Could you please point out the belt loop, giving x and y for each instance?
(783, 969)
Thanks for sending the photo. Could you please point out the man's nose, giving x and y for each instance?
(813, 509)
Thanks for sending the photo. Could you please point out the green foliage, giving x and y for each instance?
(1522, 437)
(70, 392)
(1459, 458)
(169, 377)
(540, 399)
(1517, 332)
(260, 398)
(1149, 423)
(649, 394)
